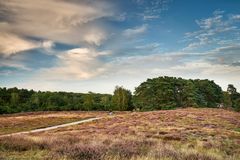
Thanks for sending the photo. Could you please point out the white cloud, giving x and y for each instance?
(77, 64)
(221, 74)
(226, 55)
(150, 17)
(195, 45)
(85, 63)
(48, 44)
(149, 46)
(60, 21)
(121, 17)
(135, 31)
(9, 63)
(212, 31)
(95, 37)
(235, 17)
(152, 9)
(210, 22)
(11, 44)
(207, 70)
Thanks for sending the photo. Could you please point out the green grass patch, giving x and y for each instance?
(26, 155)
(237, 129)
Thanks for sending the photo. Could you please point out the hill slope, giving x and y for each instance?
(209, 134)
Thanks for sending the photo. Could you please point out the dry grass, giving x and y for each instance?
(34, 120)
(183, 134)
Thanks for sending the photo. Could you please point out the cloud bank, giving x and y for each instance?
(93, 41)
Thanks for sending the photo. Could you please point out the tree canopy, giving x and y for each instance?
(153, 94)
(234, 97)
(14, 100)
(171, 92)
(122, 99)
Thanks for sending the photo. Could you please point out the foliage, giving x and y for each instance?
(182, 134)
(153, 94)
(168, 92)
(14, 100)
(122, 99)
(234, 97)
(227, 99)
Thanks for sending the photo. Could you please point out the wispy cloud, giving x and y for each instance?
(13, 65)
(208, 23)
(48, 44)
(12, 44)
(226, 55)
(152, 9)
(211, 30)
(235, 17)
(57, 41)
(148, 17)
(150, 46)
(135, 31)
(60, 21)
(78, 63)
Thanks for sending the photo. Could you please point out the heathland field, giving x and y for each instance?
(34, 120)
(188, 134)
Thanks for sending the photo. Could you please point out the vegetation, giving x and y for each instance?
(154, 94)
(14, 100)
(170, 92)
(12, 123)
(234, 97)
(181, 134)
(122, 99)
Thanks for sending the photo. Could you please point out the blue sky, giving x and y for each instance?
(87, 45)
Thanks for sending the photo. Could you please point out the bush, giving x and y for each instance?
(81, 151)
(18, 143)
(130, 148)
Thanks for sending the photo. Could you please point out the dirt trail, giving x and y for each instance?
(52, 127)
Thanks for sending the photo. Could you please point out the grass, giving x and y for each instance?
(237, 129)
(29, 121)
(33, 155)
(182, 134)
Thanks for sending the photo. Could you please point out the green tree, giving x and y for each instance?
(170, 92)
(88, 102)
(106, 102)
(189, 94)
(227, 99)
(122, 99)
(35, 100)
(14, 99)
(209, 94)
(157, 93)
(237, 103)
(232, 91)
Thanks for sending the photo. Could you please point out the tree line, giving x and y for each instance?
(172, 92)
(153, 94)
(13, 100)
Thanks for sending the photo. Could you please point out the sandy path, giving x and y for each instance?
(52, 127)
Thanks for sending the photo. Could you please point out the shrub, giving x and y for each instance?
(81, 151)
(130, 148)
(198, 156)
(19, 143)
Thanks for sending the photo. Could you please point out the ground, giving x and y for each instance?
(12, 123)
(188, 134)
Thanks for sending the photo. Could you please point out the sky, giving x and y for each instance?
(94, 45)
